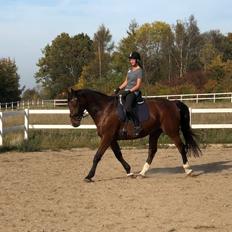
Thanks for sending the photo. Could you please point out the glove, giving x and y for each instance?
(124, 93)
(116, 91)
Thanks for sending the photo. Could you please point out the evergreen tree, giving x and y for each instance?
(9, 78)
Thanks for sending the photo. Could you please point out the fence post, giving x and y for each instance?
(1, 128)
(190, 116)
(26, 124)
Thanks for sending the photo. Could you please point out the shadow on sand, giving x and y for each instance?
(213, 167)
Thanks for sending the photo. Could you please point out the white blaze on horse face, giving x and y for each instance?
(145, 168)
(187, 168)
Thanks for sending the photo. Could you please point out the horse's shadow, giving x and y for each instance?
(214, 167)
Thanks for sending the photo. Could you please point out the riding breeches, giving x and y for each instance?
(130, 101)
(129, 106)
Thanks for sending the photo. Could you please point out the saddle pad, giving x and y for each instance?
(141, 110)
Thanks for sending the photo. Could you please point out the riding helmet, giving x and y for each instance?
(135, 55)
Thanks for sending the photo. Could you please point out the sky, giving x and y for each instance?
(27, 26)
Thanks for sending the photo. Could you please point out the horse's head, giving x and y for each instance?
(76, 108)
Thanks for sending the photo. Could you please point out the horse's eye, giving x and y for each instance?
(73, 100)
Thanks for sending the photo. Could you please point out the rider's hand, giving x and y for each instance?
(124, 93)
(116, 91)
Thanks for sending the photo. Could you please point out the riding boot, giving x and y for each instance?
(137, 126)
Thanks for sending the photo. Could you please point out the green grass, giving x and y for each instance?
(67, 139)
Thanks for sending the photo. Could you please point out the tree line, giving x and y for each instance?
(176, 59)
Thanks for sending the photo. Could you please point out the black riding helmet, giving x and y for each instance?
(135, 55)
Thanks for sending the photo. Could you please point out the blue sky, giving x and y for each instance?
(26, 26)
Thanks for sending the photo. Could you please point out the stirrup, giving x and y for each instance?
(137, 130)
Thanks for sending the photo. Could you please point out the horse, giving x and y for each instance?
(165, 116)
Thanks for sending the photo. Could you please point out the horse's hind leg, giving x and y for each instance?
(183, 151)
(153, 139)
(118, 154)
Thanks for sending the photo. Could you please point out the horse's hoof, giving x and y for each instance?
(131, 175)
(189, 172)
(88, 180)
(140, 176)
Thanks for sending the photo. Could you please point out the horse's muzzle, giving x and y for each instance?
(75, 123)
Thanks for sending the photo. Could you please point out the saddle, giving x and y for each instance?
(140, 108)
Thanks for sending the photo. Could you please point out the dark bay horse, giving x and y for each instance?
(169, 117)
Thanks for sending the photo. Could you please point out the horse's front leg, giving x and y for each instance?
(118, 154)
(104, 144)
(153, 139)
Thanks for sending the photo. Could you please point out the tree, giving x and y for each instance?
(96, 74)
(31, 94)
(180, 46)
(63, 61)
(221, 73)
(187, 46)
(226, 82)
(194, 45)
(125, 47)
(216, 69)
(227, 47)
(154, 42)
(9, 78)
(207, 54)
(103, 47)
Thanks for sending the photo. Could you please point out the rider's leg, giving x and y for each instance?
(130, 101)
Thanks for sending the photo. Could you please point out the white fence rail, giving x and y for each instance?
(213, 97)
(207, 111)
(26, 126)
(197, 97)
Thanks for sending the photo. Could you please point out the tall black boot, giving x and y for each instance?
(137, 126)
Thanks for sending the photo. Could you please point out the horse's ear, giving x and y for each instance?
(71, 91)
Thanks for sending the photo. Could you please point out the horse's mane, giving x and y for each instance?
(93, 92)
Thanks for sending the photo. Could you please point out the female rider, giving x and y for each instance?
(131, 87)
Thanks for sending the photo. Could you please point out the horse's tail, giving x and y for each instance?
(189, 136)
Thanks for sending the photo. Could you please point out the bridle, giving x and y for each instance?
(76, 116)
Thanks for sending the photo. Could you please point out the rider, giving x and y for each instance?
(131, 86)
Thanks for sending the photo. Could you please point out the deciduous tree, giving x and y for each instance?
(63, 61)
